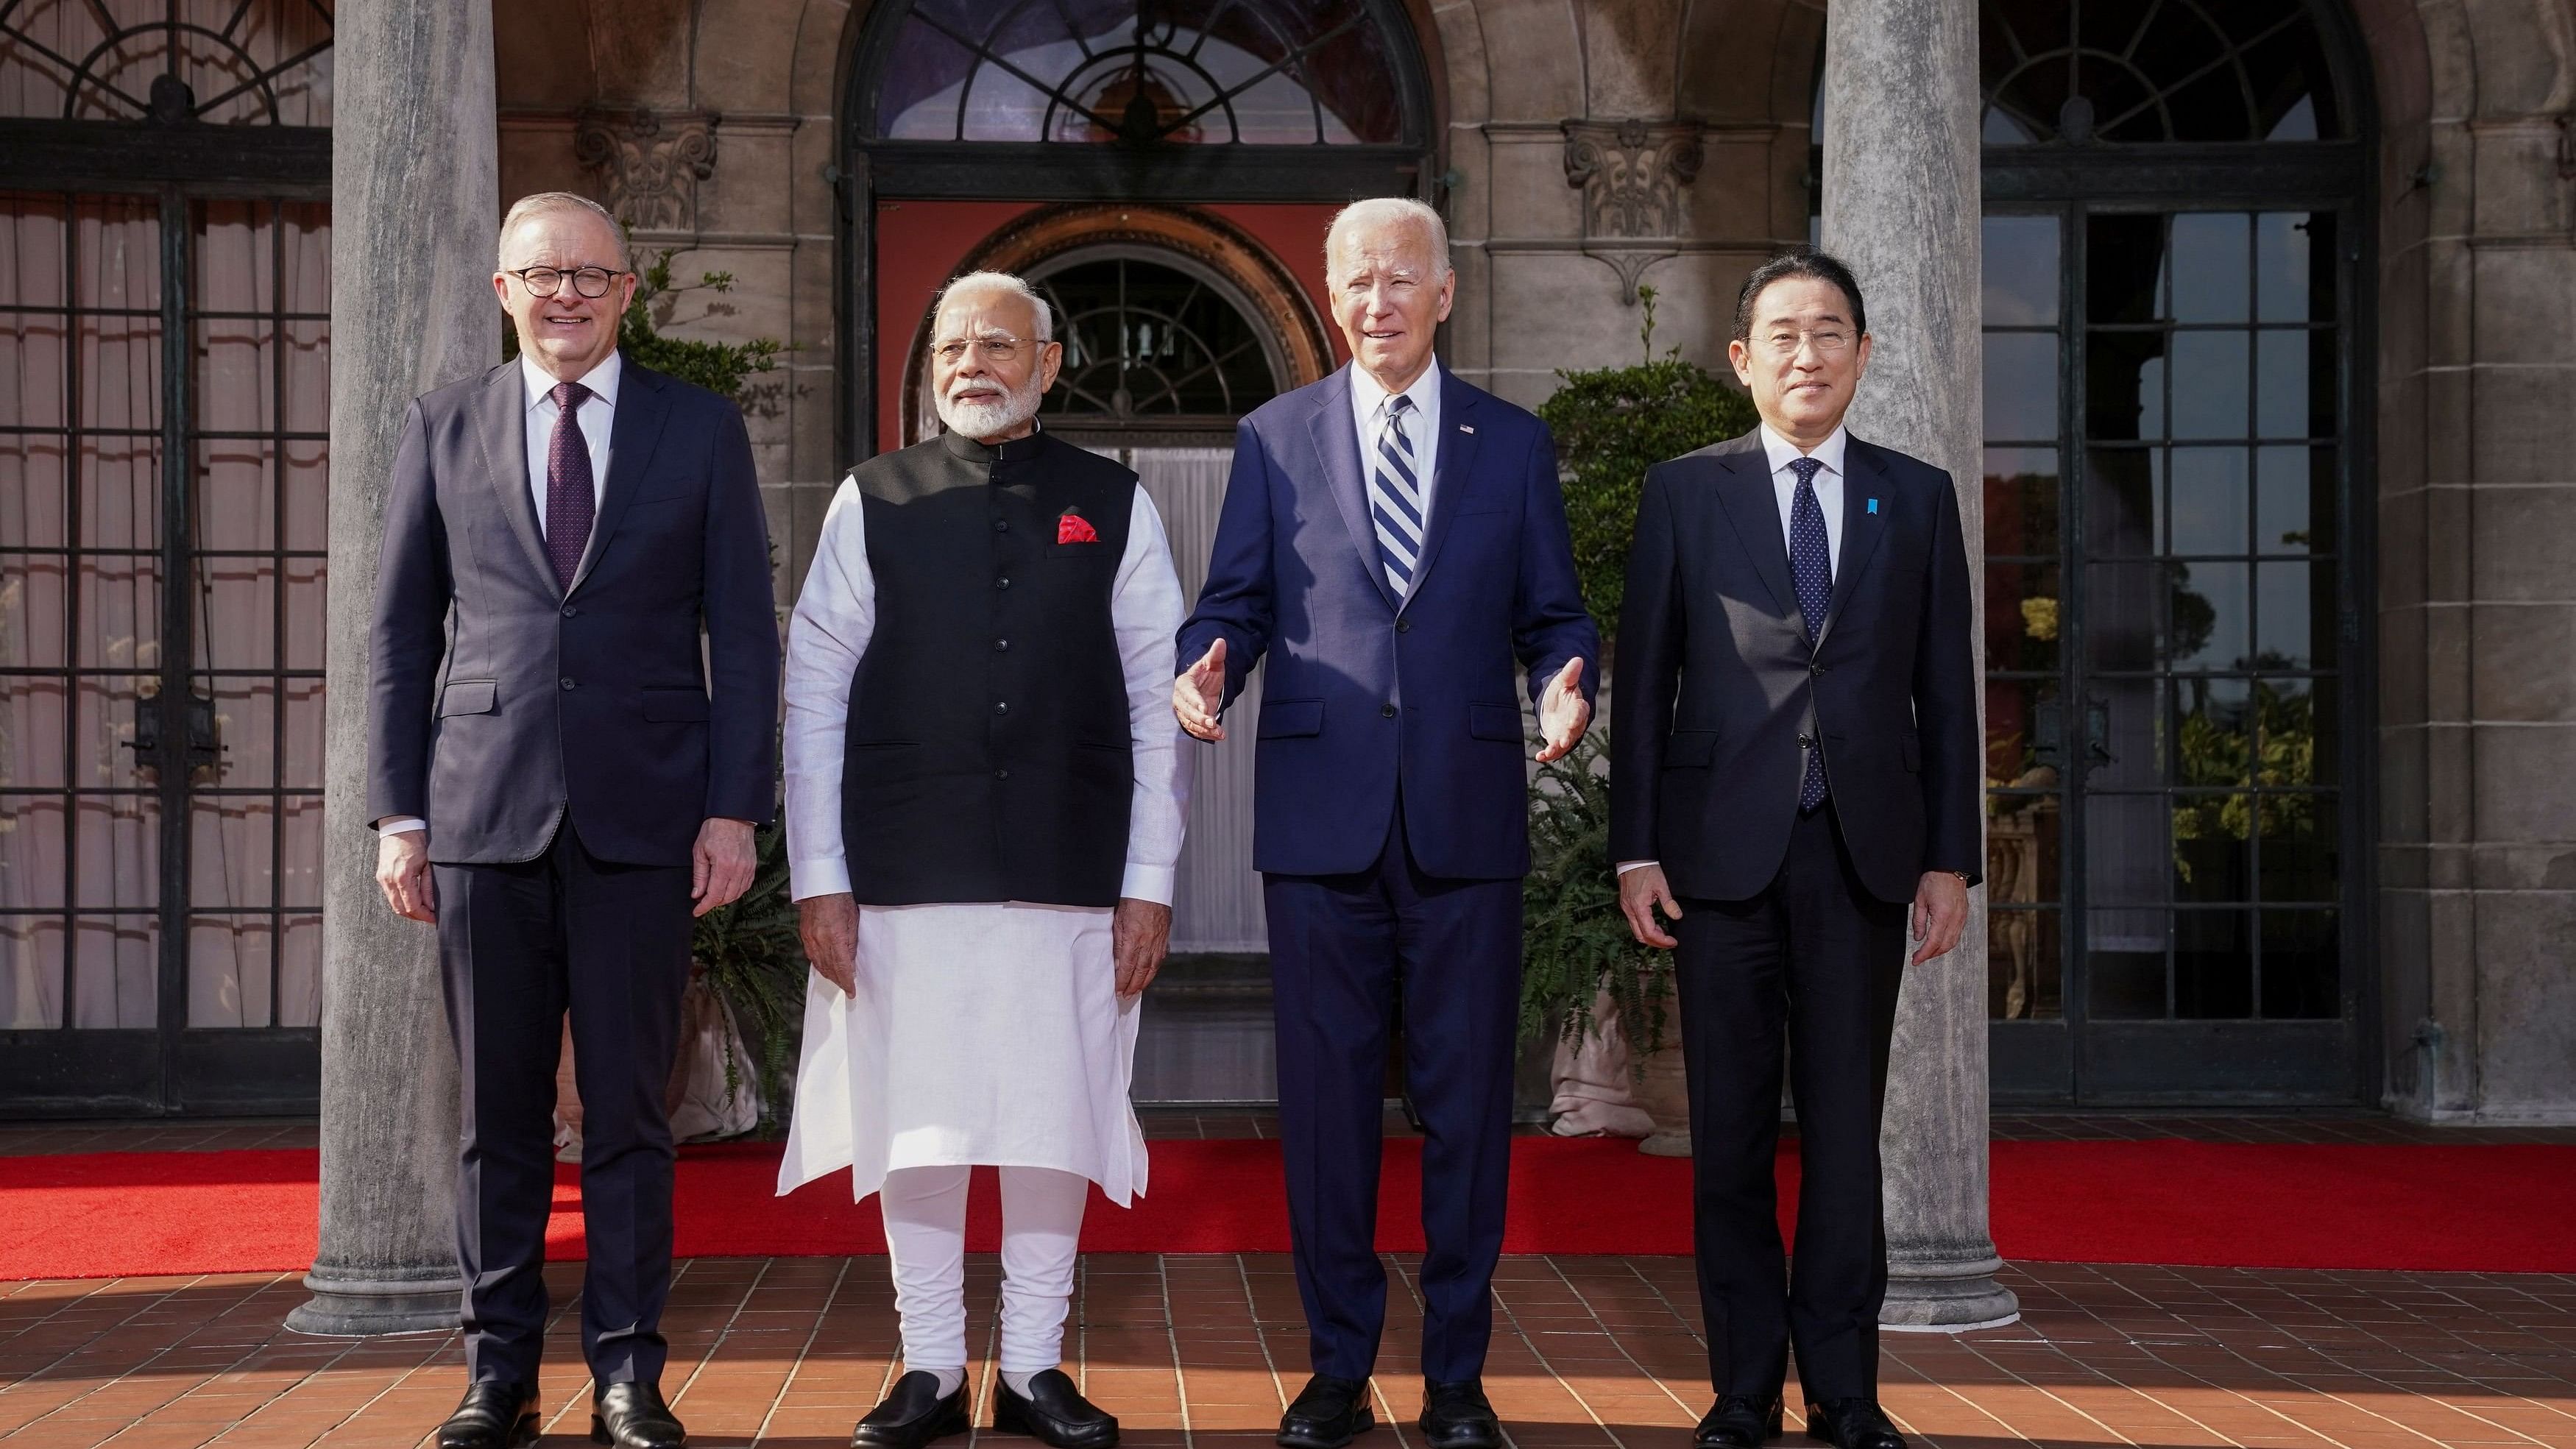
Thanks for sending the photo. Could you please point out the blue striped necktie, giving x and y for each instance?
(1395, 498)
(1811, 567)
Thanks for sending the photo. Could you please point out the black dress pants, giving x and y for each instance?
(518, 945)
(1818, 960)
(1342, 949)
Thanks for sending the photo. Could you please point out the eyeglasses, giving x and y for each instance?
(997, 347)
(546, 281)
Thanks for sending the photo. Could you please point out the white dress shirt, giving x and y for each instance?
(598, 412)
(1368, 414)
(836, 616)
(1784, 488)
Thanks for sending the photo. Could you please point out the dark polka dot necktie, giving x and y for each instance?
(1811, 566)
(570, 503)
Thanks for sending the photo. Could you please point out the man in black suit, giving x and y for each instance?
(1794, 762)
(561, 778)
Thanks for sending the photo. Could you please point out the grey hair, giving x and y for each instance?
(1001, 282)
(545, 201)
(1389, 210)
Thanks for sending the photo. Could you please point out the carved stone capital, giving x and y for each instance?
(648, 163)
(1632, 174)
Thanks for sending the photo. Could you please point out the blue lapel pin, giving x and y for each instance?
(1873, 505)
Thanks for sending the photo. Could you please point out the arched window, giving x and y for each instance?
(2176, 216)
(1153, 340)
(2179, 70)
(1138, 73)
(239, 64)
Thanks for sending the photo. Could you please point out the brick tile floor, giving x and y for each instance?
(1199, 1351)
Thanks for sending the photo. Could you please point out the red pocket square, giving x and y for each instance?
(1074, 528)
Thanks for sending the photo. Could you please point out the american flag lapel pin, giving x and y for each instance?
(1466, 427)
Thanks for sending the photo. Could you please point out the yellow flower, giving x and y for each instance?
(2039, 618)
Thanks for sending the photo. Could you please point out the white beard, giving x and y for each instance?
(986, 419)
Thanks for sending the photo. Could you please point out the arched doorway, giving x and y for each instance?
(164, 311)
(2176, 238)
(1163, 172)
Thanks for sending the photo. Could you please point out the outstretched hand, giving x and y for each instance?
(1198, 695)
(1563, 712)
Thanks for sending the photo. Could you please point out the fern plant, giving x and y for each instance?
(1576, 944)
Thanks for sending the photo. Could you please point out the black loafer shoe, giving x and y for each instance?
(1054, 1413)
(1852, 1424)
(1456, 1416)
(1740, 1421)
(492, 1415)
(912, 1415)
(633, 1416)
(1328, 1413)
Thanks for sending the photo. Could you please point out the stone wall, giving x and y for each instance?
(2477, 590)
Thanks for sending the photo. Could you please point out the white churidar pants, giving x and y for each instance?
(925, 1224)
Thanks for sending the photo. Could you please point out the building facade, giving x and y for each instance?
(2280, 313)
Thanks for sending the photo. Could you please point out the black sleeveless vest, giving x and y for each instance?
(988, 755)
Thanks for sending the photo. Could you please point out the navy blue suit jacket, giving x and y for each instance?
(1716, 676)
(1367, 691)
(594, 701)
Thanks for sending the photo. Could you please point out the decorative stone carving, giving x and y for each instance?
(1632, 174)
(649, 164)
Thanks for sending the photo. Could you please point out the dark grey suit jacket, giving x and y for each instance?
(597, 701)
(1715, 676)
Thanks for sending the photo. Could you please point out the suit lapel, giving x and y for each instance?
(1337, 443)
(501, 425)
(1453, 459)
(1864, 473)
(1745, 490)
(636, 427)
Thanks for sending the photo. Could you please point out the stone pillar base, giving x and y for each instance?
(345, 1305)
(1952, 1296)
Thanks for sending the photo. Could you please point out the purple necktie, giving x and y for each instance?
(569, 501)
(1811, 568)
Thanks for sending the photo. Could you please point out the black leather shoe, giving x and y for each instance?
(912, 1415)
(1327, 1414)
(1054, 1413)
(633, 1416)
(1456, 1416)
(1740, 1421)
(1852, 1424)
(492, 1415)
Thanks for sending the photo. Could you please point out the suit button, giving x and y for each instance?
(569, 611)
(566, 681)
(1001, 707)
(1386, 711)
(1003, 582)
(1001, 525)
(1001, 646)
(1001, 774)
(1815, 669)
(1404, 626)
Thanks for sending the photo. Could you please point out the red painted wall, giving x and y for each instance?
(920, 245)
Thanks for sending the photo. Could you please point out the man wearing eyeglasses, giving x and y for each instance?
(1795, 785)
(562, 776)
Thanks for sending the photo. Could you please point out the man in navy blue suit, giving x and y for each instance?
(1394, 541)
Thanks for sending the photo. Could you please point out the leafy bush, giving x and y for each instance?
(755, 964)
(1611, 425)
(1575, 942)
(719, 367)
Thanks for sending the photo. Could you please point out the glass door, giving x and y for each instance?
(163, 399)
(2167, 613)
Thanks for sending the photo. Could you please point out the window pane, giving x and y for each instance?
(2124, 268)
(2287, 404)
(2287, 280)
(2296, 614)
(116, 970)
(2125, 964)
(2299, 841)
(2021, 386)
(2209, 383)
(2210, 267)
(2297, 724)
(2021, 501)
(2208, 623)
(2124, 502)
(2209, 503)
(2125, 386)
(2024, 954)
(2021, 276)
(2213, 965)
(228, 966)
(2302, 967)
(2023, 616)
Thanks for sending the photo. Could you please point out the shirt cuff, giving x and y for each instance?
(1626, 866)
(1148, 883)
(400, 825)
(822, 876)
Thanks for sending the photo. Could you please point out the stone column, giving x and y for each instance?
(414, 190)
(1902, 207)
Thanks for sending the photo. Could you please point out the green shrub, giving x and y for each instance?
(1575, 942)
(1611, 425)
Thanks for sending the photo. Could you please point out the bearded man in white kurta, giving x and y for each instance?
(985, 800)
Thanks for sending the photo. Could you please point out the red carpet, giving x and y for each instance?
(2466, 1208)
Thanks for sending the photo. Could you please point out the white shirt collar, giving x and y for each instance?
(1369, 396)
(601, 380)
(1829, 452)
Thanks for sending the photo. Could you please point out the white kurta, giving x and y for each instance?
(985, 1032)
